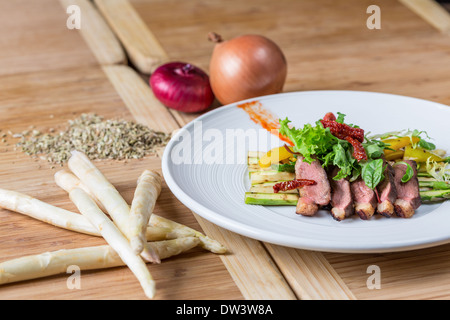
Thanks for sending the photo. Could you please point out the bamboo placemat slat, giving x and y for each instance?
(142, 46)
(310, 275)
(432, 12)
(97, 34)
(139, 98)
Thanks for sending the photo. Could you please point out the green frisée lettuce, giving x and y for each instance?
(439, 170)
(341, 157)
(310, 140)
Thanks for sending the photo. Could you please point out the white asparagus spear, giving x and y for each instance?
(88, 258)
(24, 204)
(67, 181)
(147, 192)
(169, 248)
(91, 177)
(205, 241)
(115, 239)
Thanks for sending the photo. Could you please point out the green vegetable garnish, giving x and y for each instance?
(310, 140)
(284, 167)
(426, 145)
(317, 142)
(409, 172)
(340, 118)
(372, 172)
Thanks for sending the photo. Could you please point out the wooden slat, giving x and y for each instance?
(432, 12)
(139, 98)
(142, 46)
(97, 34)
(310, 275)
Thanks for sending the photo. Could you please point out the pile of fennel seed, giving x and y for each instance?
(98, 138)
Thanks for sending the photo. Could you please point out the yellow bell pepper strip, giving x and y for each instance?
(398, 143)
(420, 155)
(274, 156)
(394, 155)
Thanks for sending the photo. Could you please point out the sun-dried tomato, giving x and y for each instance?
(292, 184)
(359, 153)
(329, 117)
(342, 130)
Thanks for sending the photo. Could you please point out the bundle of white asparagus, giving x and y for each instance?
(135, 235)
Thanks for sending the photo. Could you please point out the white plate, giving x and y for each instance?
(198, 172)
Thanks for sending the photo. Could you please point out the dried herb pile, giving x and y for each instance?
(97, 138)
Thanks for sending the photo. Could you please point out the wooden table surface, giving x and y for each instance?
(50, 74)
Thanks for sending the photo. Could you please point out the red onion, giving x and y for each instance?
(182, 86)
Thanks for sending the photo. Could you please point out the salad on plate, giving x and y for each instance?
(337, 166)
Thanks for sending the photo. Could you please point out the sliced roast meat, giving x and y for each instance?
(341, 197)
(387, 193)
(364, 198)
(408, 196)
(306, 206)
(312, 196)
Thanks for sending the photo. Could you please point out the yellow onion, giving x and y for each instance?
(245, 67)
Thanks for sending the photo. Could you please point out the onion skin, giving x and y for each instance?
(182, 86)
(246, 67)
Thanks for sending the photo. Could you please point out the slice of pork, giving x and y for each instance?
(387, 193)
(408, 196)
(365, 199)
(319, 194)
(341, 197)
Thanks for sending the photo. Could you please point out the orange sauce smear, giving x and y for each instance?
(264, 118)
